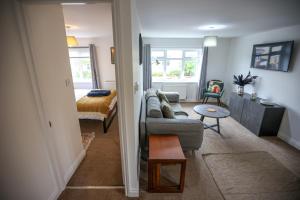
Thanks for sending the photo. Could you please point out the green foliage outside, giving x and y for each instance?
(157, 74)
(189, 68)
(174, 73)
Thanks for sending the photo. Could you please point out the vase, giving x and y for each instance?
(240, 90)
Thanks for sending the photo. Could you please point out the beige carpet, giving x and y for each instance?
(200, 184)
(234, 138)
(102, 164)
(252, 175)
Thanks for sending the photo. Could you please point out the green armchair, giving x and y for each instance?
(214, 89)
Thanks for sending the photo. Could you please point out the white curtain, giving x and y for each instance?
(94, 67)
(202, 79)
(147, 74)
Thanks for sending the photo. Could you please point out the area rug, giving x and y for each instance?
(252, 175)
(87, 138)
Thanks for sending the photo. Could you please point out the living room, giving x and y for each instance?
(253, 131)
(209, 127)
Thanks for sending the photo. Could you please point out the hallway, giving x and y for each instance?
(101, 168)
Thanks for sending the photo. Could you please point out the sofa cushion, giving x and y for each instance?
(167, 110)
(150, 93)
(162, 96)
(153, 107)
(181, 117)
(178, 109)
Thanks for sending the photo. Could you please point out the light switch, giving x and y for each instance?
(67, 81)
(136, 86)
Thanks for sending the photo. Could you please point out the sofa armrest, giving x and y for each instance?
(173, 97)
(169, 126)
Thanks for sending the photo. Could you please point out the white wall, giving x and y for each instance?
(217, 58)
(26, 170)
(280, 87)
(137, 80)
(106, 69)
(130, 74)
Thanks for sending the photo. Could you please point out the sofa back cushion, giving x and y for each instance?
(167, 110)
(162, 96)
(153, 107)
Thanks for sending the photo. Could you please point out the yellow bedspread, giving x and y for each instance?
(95, 104)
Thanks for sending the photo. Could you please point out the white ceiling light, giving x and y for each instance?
(210, 41)
(212, 27)
(73, 4)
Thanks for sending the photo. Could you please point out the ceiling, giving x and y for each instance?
(89, 20)
(182, 18)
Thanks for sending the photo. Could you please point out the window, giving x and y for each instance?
(81, 67)
(175, 64)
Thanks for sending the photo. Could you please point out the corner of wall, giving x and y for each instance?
(290, 140)
(70, 171)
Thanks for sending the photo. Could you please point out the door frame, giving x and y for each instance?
(120, 84)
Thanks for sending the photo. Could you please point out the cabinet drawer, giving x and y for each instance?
(252, 116)
(236, 106)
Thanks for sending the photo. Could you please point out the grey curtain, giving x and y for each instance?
(147, 74)
(94, 67)
(202, 80)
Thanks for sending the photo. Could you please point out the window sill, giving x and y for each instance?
(174, 81)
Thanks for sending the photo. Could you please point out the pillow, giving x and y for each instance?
(162, 96)
(167, 110)
(153, 108)
(150, 93)
(214, 86)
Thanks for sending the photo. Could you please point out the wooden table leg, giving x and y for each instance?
(150, 175)
(157, 176)
(182, 176)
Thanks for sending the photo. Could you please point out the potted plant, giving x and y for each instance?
(241, 81)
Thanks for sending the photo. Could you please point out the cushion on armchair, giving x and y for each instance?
(215, 86)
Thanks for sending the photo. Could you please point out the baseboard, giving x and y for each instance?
(74, 166)
(290, 141)
(134, 192)
(55, 194)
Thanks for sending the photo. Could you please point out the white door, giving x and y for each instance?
(26, 170)
(46, 30)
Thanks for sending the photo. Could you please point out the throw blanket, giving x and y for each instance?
(98, 93)
(96, 104)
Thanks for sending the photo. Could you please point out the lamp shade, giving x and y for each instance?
(210, 41)
(72, 41)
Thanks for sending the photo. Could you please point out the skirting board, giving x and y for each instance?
(74, 166)
(134, 192)
(290, 141)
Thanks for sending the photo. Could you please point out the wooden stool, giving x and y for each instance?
(164, 150)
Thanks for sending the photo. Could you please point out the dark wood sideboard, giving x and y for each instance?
(260, 119)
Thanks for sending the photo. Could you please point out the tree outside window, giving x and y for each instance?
(175, 64)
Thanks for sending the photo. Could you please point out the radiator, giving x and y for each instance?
(181, 89)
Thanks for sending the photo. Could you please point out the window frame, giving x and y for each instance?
(164, 60)
(81, 84)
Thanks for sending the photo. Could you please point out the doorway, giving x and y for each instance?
(89, 33)
(63, 172)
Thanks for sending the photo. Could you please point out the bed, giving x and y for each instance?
(98, 108)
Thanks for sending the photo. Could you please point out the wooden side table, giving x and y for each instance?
(164, 150)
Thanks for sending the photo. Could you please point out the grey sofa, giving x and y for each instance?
(189, 131)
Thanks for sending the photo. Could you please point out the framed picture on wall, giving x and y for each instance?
(272, 56)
